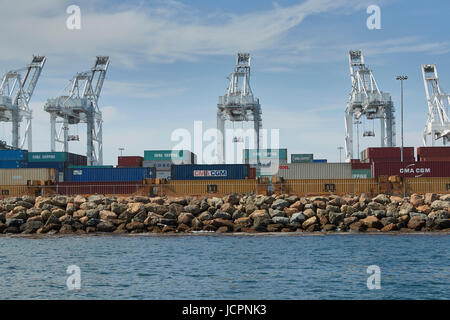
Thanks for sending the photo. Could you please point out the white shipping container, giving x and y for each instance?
(20, 177)
(315, 170)
(163, 174)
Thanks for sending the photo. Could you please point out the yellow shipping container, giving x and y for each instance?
(334, 186)
(426, 185)
(20, 177)
(206, 187)
(13, 191)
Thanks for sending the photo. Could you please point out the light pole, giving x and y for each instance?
(401, 78)
(340, 149)
(121, 149)
(357, 134)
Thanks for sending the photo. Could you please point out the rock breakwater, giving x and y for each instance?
(233, 213)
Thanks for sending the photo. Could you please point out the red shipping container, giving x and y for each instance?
(129, 161)
(442, 159)
(411, 169)
(389, 154)
(433, 152)
(252, 173)
(74, 188)
(355, 161)
(361, 166)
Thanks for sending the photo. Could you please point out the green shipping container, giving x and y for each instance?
(47, 156)
(166, 155)
(361, 174)
(302, 157)
(251, 154)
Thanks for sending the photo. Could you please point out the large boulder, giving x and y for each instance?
(372, 222)
(280, 204)
(107, 215)
(430, 198)
(416, 223)
(382, 198)
(280, 220)
(185, 218)
(309, 222)
(336, 217)
(440, 205)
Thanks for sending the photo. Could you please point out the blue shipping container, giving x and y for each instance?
(13, 155)
(210, 171)
(108, 174)
(5, 164)
(59, 165)
(320, 160)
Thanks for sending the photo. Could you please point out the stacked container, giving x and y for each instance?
(211, 172)
(162, 160)
(109, 174)
(315, 171)
(129, 161)
(389, 154)
(302, 157)
(411, 169)
(265, 161)
(433, 154)
(20, 177)
(361, 170)
(56, 160)
(11, 159)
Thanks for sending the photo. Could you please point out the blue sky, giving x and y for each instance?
(170, 60)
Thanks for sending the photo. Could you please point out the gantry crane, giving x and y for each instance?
(438, 123)
(366, 100)
(238, 104)
(80, 106)
(16, 89)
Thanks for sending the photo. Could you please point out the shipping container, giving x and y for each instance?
(361, 166)
(411, 169)
(387, 154)
(159, 165)
(129, 161)
(302, 157)
(13, 191)
(320, 160)
(69, 158)
(210, 171)
(22, 176)
(12, 164)
(74, 188)
(108, 174)
(60, 166)
(361, 173)
(163, 174)
(430, 153)
(315, 171)
(177, 156)
(427, 185)
(250, 155)
(95, 166)
(327, 186)
(13, 155)
(209, 187)
(435, 158)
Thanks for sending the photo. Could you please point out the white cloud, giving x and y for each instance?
(164, 33)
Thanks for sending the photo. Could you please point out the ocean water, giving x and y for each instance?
(227, 267)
